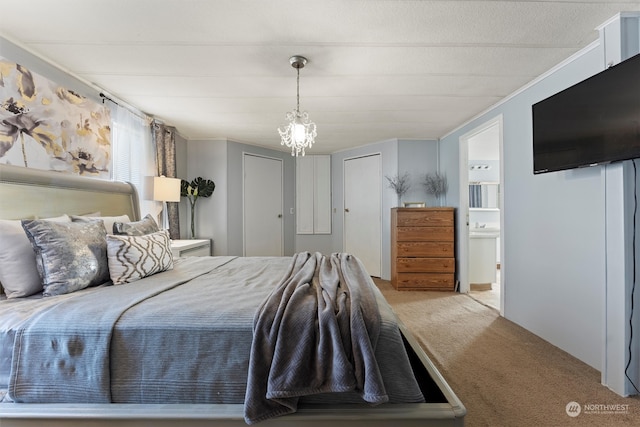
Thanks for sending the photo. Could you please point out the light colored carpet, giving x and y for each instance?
(503, 374)
(490, 297)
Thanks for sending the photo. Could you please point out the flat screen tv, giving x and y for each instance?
(596, 121)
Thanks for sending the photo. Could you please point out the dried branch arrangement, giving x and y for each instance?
(435, 184)
(399, 183)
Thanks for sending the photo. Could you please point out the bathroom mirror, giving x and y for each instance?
(484, 195)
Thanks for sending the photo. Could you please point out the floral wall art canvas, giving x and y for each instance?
(46, 126)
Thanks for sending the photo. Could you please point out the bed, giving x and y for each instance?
(152, 322)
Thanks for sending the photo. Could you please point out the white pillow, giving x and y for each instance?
(18, 271)
(133, 257)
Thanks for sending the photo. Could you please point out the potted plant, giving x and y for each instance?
(193, 190)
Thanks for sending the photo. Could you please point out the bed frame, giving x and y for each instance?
(28, 193)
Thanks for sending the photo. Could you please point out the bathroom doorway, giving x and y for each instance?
(481, 203)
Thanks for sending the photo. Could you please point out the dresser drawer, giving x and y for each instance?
(425, 265)
(426, 281)
(425, 218)
(424, 234)
(425, 249)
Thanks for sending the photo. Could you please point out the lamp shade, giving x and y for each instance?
(166, 189)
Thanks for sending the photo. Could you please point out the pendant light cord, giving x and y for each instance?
(298, 91)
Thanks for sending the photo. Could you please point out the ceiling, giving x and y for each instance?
(378, 69)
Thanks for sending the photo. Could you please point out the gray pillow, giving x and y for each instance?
(18, 270)
(69, 256)
(108, 220)
(146, 225)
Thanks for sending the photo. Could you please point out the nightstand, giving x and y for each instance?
(192, 247)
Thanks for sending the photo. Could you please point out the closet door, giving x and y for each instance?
(263, 231)
(304, 195)
(313, 194)
(322, 194)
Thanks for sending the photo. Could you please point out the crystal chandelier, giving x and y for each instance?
(300, 132)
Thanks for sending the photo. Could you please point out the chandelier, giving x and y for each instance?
(300, 132)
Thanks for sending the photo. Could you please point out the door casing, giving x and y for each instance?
(463, 222)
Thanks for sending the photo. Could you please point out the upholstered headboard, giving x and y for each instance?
(33, 193)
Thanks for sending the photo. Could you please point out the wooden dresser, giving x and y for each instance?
(422, 249)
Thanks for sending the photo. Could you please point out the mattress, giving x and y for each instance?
(182, 336)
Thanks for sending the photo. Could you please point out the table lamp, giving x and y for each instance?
(166, 190)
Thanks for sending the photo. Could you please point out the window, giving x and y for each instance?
(134, 157)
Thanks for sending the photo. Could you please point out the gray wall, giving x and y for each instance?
(207, 159)
(554, 248)
(219, 217)
(417, 157)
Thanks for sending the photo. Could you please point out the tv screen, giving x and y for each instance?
(593, 122)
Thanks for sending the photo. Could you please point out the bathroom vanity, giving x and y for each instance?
(483, 256)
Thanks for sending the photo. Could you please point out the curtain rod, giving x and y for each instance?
(131, 109)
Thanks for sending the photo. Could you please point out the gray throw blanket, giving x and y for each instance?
(315, 333)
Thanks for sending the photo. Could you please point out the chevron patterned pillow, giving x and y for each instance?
(133, 257)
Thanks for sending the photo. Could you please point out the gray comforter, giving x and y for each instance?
(182, 336)
(69, 343)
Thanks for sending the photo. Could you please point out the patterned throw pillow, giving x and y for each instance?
(133, 257)
(69, 255)
(146, 225)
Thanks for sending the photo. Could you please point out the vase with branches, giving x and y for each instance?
(400, 184)
(193, 190)
(435, 184)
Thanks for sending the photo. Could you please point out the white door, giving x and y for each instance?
(262, 206)
(482, 143)
(363, 211)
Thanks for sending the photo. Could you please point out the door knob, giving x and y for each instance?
(346, 209)
(279, 215)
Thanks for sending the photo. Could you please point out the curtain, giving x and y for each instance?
(475, 195)
(133, 154)
(165, 142)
